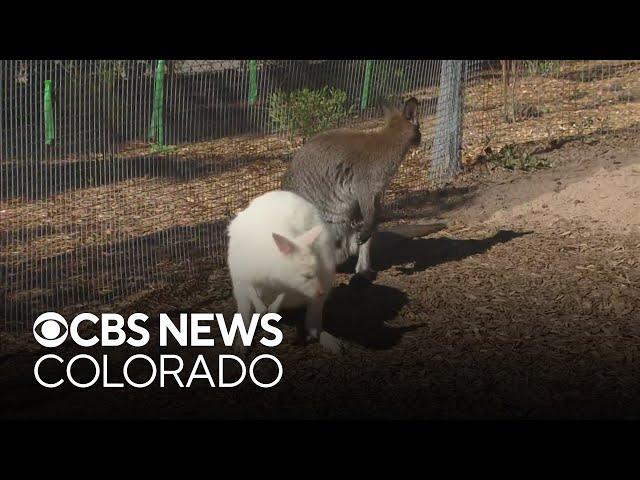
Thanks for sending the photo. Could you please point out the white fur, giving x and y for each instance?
(262, 274)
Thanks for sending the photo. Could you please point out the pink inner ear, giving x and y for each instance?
(286, 246)
(310, 236)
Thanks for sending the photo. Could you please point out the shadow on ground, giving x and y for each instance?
(394, 250)
(390, 249)
(358, 314)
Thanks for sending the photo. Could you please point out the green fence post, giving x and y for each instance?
(49, 124)
(367, 84)
(253, 81)
(156, 130)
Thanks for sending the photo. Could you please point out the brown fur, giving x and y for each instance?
(345, 172)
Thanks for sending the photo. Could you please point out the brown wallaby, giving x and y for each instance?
(345, 172)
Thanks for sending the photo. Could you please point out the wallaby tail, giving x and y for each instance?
(414, 230)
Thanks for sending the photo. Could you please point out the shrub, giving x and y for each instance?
(307, 112)
(510, 158)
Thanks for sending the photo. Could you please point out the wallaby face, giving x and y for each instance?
(302, 270)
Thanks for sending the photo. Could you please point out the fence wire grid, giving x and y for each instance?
(117, 174)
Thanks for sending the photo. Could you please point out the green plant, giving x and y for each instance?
(511, 159)
(307, 112)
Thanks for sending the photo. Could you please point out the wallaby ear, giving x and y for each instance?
(410, 110)
(310, 236)
(286, 246)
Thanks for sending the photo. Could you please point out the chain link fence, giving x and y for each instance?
(115, 176)
(543, 103)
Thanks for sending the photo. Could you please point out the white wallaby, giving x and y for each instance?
(281, 253)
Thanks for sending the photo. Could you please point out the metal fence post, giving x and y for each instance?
(253, 81)
(447, 142)
(156, 130)
(49, 124)
(366, 87)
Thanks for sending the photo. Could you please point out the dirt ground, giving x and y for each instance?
(526, 306)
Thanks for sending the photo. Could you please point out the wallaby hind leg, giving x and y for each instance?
(259, 305)
(313, 325)
(245, 308)
(364, 267)
(353, 245)
(274, 307)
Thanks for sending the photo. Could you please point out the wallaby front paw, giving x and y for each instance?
(331, 343)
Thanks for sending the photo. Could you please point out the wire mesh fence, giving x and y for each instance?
(117, 175)
(548, 102)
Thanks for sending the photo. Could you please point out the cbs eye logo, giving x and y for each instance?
(53, 329)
